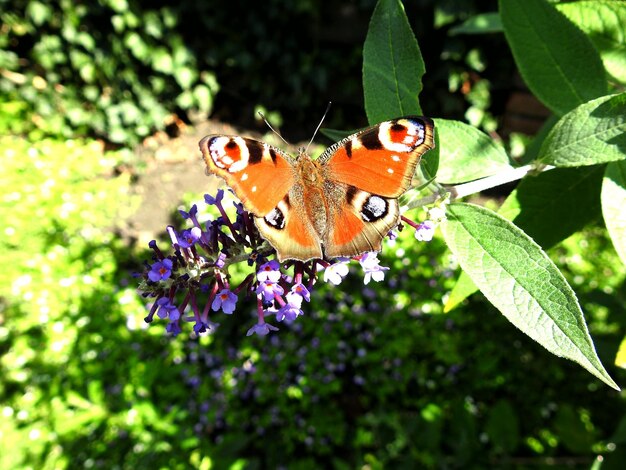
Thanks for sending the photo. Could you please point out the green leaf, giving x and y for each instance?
(392, 65)
(479, 24)
(532, 150)
(613, 203)
(603, 22)
(467, 154)
(38, 12)
(593, 133)
(548, 207)
(558, 62)
(335, 134)
(519, 279)
(429, 164)
(463, 288)
(555, 204)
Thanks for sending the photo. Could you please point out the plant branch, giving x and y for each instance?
(473, 187)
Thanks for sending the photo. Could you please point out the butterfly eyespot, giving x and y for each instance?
(275, 219)
(374, 208)
(231, 154)
(402, 135)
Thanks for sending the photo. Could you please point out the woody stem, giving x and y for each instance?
(473, 187)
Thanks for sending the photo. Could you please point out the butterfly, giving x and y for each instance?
(341, 204)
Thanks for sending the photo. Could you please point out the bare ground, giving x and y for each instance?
(173, 167)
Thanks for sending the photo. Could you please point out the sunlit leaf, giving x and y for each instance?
(519, 279)
(392, 65)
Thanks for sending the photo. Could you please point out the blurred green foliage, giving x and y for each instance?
(121, 69)
(113, 68)
(372, 375)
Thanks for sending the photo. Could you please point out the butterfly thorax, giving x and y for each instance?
(309, 170)
(310, 188)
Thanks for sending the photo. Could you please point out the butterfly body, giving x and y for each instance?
(340, 204)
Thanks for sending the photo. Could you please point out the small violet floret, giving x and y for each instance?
(300, 290)
(269, 289)
(225, 300)
(192, 212)
(167, 309)
(373, 271)
(336, 272)
(211, 201)
(289, 311)
(425, 231)
(161, 270)
(189, 237)
(269, 271)
(261, 329)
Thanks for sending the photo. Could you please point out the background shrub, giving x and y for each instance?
(121, 69)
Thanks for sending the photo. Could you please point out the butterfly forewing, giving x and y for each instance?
(259, 174)
(382, 159)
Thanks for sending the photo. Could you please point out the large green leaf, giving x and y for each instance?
(603, 21)
(392, 65)
(558, 62)
(593, 133)
(519, 279)
(614, 205)
(467, 154)
(548, 207)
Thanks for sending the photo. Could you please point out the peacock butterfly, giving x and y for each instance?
(341, 204)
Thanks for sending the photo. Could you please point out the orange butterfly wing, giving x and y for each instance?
(382, 159)
(259, 174)
(341, 205)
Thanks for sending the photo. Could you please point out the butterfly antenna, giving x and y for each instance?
(273, 130)
(319, 125)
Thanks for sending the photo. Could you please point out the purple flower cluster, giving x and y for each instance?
(193, 282)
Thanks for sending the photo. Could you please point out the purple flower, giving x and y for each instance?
(173, 328)
(200, 327)
(226, 300)
(239, 207)
(301, 291)
(161, 270)
(189, 237)
(269, 289)
(211, 201)
(289, 311)
(220, 262)
(261, 329)
(336, 272)
(425, 231)
(167, 309)
(192, 212)
(370, 264)
(269, 271)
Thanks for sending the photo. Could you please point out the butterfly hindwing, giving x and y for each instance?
(259, 174)
(358, 222)
(288, 229)
(381, 159)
